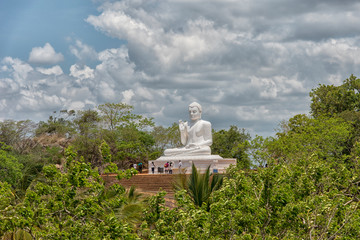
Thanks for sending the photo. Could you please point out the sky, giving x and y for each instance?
(249, 63)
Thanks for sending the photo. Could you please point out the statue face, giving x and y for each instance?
(194, 113)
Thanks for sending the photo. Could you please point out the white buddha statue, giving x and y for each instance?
(196, 137)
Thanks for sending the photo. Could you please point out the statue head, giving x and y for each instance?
(195, 111)
(195, 104)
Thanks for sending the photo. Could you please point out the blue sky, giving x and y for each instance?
(249, 63)
(29, 23)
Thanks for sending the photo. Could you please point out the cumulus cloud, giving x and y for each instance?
(34, 94)
(55, 70)
(80, 72)
(236, 58)
(17, 68)
(127, 95)
(45, 55)
(83, 51)
(249, 63)
(37, 100)
(8, 87)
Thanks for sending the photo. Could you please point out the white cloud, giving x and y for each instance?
(127, 96)
(106, 91)
(250, 64)
(55, 70)
(340, 51)
(76, 105)
(37, 100)
(81, 72)
(267, 87)
(159, 48)
(3, 105)
(119, 24)
(8, 86)
(17, 68)
(277, 85)
(253, 113)
(83, 51)
(45, 55)
(77, 93)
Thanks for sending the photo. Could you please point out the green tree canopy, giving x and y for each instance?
(302, 137)
(166, 138)
(59, 123)
(10, 167)
(200, 186)
(229, 144)
(330, 100)
(308, 191)
(73, 204)
(18, 134)
(120, 114)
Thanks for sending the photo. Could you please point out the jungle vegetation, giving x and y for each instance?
(303, 183)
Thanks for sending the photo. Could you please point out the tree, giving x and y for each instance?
(257, 150)
(327, 138)
(89, 136)
(86, 122)
(73, 204)
(330, 100)
(201, 186)
(18, 134)
(342, 101)
(115, 114)
(309, 190)
(17, 234)
(123, 131)
(132, 146)
(10, 167)
(229, 144)
(312, 198)
(6, 195)
(120, 114)
(166, 138)
(61, 124)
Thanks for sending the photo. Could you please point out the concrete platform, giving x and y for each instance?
(216, 163)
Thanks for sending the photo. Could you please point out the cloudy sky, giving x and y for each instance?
(249, 63)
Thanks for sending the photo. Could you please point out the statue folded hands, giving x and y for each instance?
(196, 137)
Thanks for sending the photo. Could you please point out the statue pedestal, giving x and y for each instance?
(202, 162)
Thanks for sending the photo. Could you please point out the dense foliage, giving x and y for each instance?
(10, 167)
(303, 183)
(331, 100)
(278, 202)
(73, 204)
(309, 189)
(230, 144)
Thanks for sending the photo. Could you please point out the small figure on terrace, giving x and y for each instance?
(152, 167)
(196, 137)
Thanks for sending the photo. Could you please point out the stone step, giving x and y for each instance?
(146, 182)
